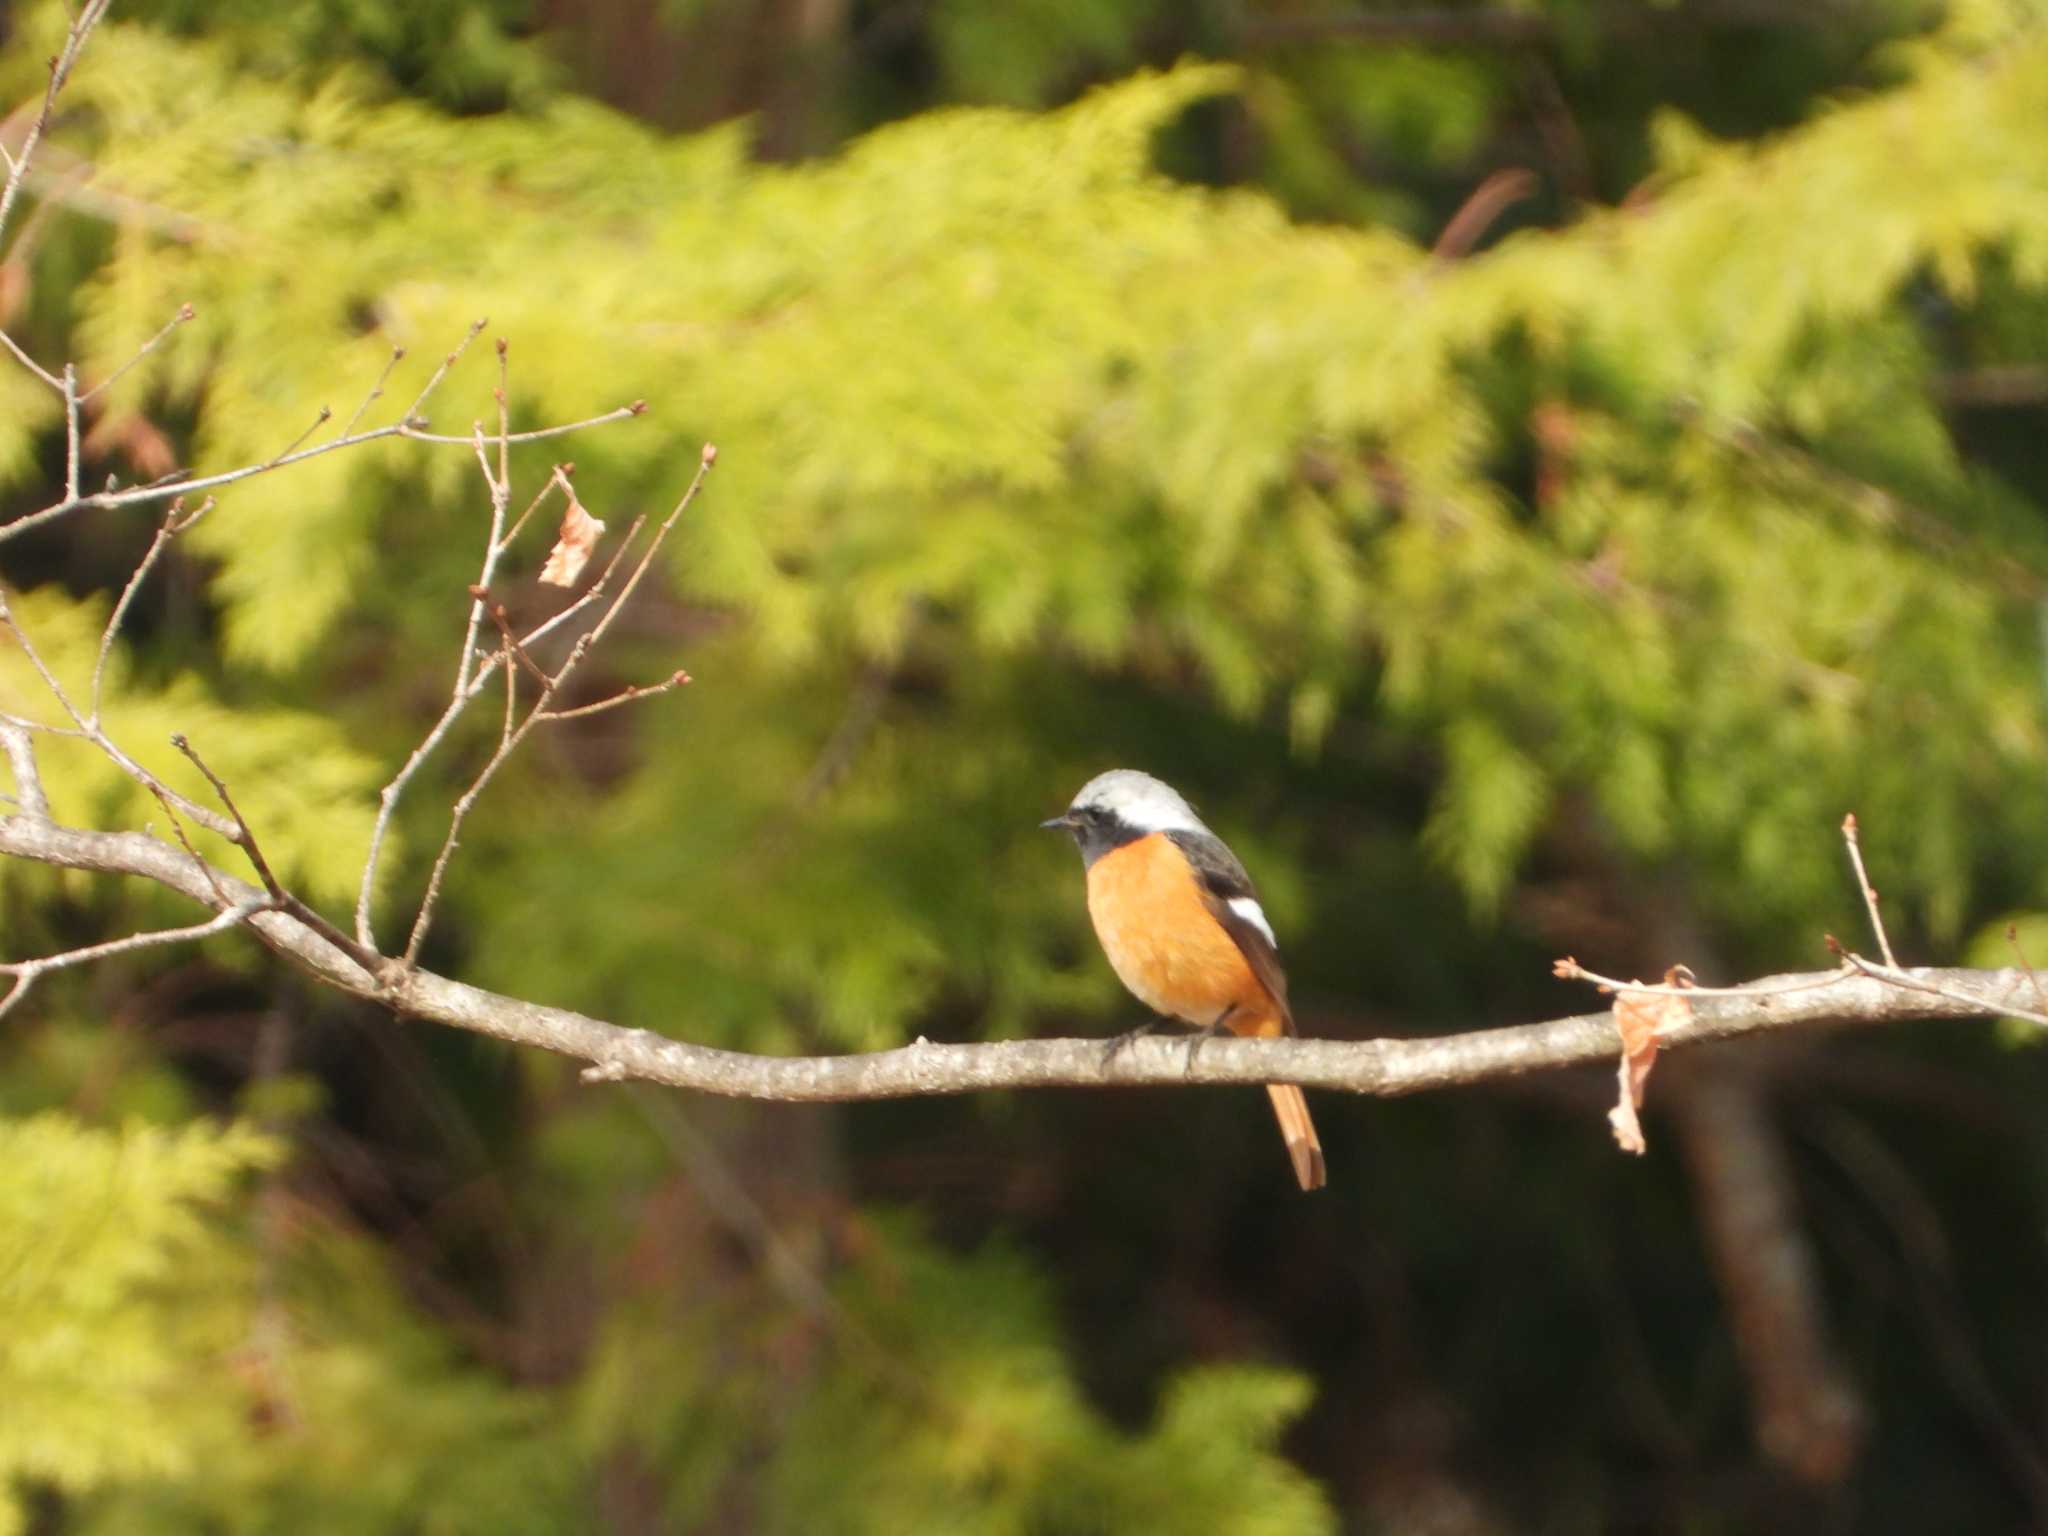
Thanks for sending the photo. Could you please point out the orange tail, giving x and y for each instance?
(1300, 1131)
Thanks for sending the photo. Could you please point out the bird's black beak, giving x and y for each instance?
(1062, 822)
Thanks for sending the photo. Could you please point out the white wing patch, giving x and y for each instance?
(1248, 908)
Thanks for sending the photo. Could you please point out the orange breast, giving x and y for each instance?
(1166, 946)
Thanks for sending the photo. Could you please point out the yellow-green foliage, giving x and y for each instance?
(996, 364)
(952, 1409)
(988, 384)
(167, 1369)
(1648, 529)
(294, 774)
(356, 1416)
(124, 1297)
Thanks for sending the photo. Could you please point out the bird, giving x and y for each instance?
(1182, 926)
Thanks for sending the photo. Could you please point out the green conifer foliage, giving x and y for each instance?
(1071, 408)
(123, 1296)
(1651, 532)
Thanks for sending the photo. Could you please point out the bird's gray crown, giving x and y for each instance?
(1139, 801)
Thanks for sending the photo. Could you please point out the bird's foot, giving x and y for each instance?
(1202, 1035)
(1117, 1043)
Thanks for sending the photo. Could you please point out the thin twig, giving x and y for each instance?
(511, 705)
(30, 363)
(387, 801)
(504, 414)
(705, 459)
(325, 415)
(70, 392)
(1896, 976)
(43, 727)
(20, 748)
(27, 972)
(178, 485)
(629, 696)
(213, 821)
(15, 993)
(82, 24)
(497, 611)
(376, 390)
(476, 329)
(1487, 202)
(173, 525)
(240, 912)
(596, 590)
(185, 313)
(2012, 937)
(1884, 942)
(556, 682)
(213, 877)
(387, 805)
(559, 477)
(494, 548)
(1569, 969)
(245, 839)
(507, 745)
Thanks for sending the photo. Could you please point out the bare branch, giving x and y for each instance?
(630, 695)
(20, 748)
(705, 459)
(220, 923)
(88, 17)
(173, 525)
(511, 640)
(504, 413)
(185, 313)
(509, 743)
(409, 430)
(560, 477)
(213, 821)
(320, 420)
(376, 390)
(1863, 884)
(30, 363)
(1372, 1067)
(1477, 214)
(494, 548)
(387, 804)
(1569, 969)
(476, 329)
(70, 433)
(27, 972)
(1916, 981)
(596, 591)
(368, 959)
(470, 675)
(2012, 937)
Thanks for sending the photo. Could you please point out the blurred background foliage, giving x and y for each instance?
(1524, 472)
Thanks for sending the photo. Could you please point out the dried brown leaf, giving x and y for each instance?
(1643, 1018)
(573, 546)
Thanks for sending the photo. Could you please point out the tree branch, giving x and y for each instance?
(1381, 1068)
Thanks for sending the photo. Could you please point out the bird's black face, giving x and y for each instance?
(1096, 830)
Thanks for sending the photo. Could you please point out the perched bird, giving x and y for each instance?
(1182, 926)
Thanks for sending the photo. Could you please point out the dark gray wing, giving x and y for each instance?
(1225, 883)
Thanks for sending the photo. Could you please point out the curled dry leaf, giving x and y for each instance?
(1643, 1018)
(573, 546)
